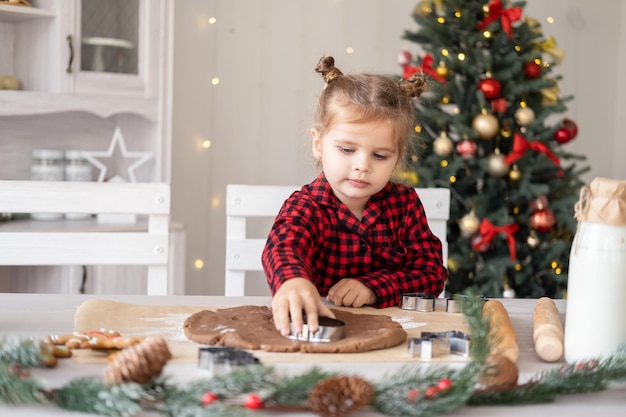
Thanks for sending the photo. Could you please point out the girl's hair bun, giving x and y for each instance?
(326, 67)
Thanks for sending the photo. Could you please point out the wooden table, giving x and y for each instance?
(42, 314)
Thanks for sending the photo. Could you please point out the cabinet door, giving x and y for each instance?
(111, 52)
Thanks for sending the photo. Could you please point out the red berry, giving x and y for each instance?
(253, 402)
(431, 392)
(444, 384)
(413, 395)
(209, 398)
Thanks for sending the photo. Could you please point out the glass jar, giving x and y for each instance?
(594, 319)
(47, 165)
(77, 169)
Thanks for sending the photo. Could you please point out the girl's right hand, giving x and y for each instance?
(295, 298)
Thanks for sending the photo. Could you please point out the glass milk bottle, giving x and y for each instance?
(47, 165)
(77, 168)
(595, 320)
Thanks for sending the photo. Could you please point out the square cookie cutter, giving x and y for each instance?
(433, 344)
(220, 359)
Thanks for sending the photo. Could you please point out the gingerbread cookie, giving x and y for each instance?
(252, 327)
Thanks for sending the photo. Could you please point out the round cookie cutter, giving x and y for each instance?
(418, 301)
(328, 330)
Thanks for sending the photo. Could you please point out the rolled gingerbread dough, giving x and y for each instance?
(252, 327)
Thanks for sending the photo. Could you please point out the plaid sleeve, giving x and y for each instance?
(290, 243)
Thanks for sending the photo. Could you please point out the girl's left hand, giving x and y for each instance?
(351, 293)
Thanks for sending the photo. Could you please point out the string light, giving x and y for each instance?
(198, 264)
(441, 20)
(452, 179)
(206, 144)
(349, 50)
(215, 81)
(461, 56)
(550, 19)
(212, 20)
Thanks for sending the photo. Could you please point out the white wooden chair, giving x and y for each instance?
(243, 253)
(38, 246)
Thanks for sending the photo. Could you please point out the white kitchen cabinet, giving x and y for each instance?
(68, 99)
(85, 69)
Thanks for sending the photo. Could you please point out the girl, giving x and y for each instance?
(352, 235)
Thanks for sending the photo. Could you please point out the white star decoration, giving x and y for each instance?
(117, 140)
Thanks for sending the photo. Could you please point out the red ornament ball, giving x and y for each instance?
(479, 244)
(466, 148)
(490, 87)
(539, 203)
(542, 220)
(532, 70)
(563, 135)
(253, 402)
(209, 398)
(572, 126)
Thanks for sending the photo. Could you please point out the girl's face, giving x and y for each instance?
(358, 160)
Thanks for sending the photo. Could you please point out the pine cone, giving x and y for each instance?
(139, 363)
(338, 396)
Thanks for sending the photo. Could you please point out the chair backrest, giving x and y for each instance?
(243, 253)
(39, 244)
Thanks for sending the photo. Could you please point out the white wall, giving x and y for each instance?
(257, 117)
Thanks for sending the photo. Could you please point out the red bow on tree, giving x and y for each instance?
(488, 231)
(520, 145)
(409, 70)
(427, 67)
(507, 16)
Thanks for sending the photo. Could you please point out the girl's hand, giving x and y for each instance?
(295, 298)
(351, 293)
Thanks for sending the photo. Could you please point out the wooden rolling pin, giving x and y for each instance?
(547, 330)
(502, 338)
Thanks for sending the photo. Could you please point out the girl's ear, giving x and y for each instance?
(316, 144)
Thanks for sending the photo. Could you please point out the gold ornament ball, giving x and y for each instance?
(453, 266)
(524, 116)
(515, 174)
(486, 125)
(442, 71)
(443, 146)
(497, 165)
(469, 224)
(423, 8)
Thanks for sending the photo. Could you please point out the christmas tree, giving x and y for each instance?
(491, 130)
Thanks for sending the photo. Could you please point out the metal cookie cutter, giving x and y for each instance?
(328, 330)
(223, 358)
(432, 344)
(453, 305)
(418, 301)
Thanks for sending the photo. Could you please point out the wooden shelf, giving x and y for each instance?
(28, 103)
(11, 14)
